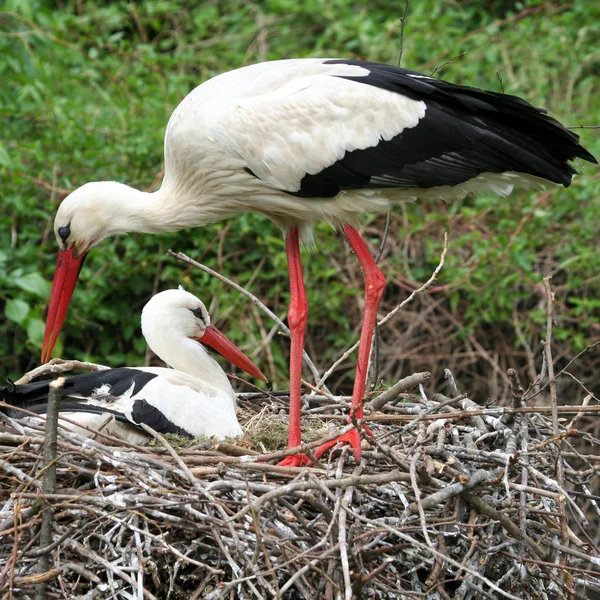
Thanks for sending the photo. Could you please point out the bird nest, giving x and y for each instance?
(450, 500)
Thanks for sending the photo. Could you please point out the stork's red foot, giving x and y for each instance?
(351, 438)
(295, 460)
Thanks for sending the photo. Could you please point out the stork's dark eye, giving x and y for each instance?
(64, 232)
(197, 312)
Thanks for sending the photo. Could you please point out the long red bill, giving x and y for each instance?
(225, 347)
(66, 273)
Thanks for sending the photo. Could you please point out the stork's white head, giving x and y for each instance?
(173, 317)
(85, 217)
(173, 313)
(91, 213)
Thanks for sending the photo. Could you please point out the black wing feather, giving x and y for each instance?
(465, 132)
(77, 406)
(118, 381)
(144, 412)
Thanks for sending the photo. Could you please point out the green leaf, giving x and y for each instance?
(16, 310)
(34, 283)
(19, 6)
(5, 160)
(35, 331)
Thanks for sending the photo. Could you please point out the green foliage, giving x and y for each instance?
(87, 89)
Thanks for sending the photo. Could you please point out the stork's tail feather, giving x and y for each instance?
(522, 124)
(28, 396)
(33, 397)
(24, 395)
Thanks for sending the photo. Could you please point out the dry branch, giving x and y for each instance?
(49, 479)
(57, 366)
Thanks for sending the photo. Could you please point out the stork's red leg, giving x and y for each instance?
(374, 286)
(297, 314)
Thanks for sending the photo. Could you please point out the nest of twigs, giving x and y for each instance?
(450, 500)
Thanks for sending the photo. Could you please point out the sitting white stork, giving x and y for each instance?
(305, 140)
(193, 398)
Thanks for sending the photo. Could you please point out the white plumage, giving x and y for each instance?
(287, 118)
(189, 403)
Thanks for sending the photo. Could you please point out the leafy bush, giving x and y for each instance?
(87, 91)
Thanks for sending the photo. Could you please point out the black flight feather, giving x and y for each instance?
(143, 412)
(465, 132)
(118, 381)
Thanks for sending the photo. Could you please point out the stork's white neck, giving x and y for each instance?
(157, 212)
(114, 208)
(187, 355)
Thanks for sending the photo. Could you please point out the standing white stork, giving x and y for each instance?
(305, 140)
(192, 398)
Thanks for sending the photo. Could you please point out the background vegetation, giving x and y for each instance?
(87, 89)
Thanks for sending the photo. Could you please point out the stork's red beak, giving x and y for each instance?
(63, 284)
(225, 347)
